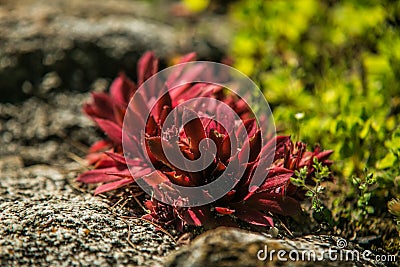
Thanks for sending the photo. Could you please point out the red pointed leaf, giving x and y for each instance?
(93, 158)
(224, 151)
(277, 177)
(155, 178)
(113, 131)
(134, 123)
(194, 131)
(149, 205)
(116, 157)
(156, 148)
(253, 216)
(100, 146)
(164, 104)
(275, 203)
(112, 186)
(122, 89)
(179, 179)
(98, 176)
(274, 148)
(138, 103)
(324, 155)
(187, 58)
(105, 162)
(102, 106)
(255, 146)
(139, 172)
(197, 216)
(224, 211)
(151, 126)
(147, 67)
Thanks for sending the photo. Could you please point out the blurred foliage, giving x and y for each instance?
(363, 185)
(329, 70)
(196, 5)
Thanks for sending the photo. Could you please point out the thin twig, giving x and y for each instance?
(75, 186)
(284, 227)
(78, 145)
(78, 159)
(152, 223)
(116, 203)
(140, 204)
(128, 239)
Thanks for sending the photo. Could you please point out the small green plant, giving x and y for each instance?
(316, 190)
(322, 173)
(364, 187)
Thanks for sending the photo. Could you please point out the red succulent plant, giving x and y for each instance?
(252, 205)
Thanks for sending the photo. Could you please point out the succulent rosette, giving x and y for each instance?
(148, 161)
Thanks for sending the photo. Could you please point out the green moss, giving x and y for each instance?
(338, 64)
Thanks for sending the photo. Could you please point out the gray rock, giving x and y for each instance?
(43, 131)
(234, 247)
(44, 222)
(47, 45)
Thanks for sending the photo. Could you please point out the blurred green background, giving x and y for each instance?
(330, 71)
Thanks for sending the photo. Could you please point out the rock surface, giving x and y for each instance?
(232, 247)
(44, 222)
(46, 130)
(72, 43)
